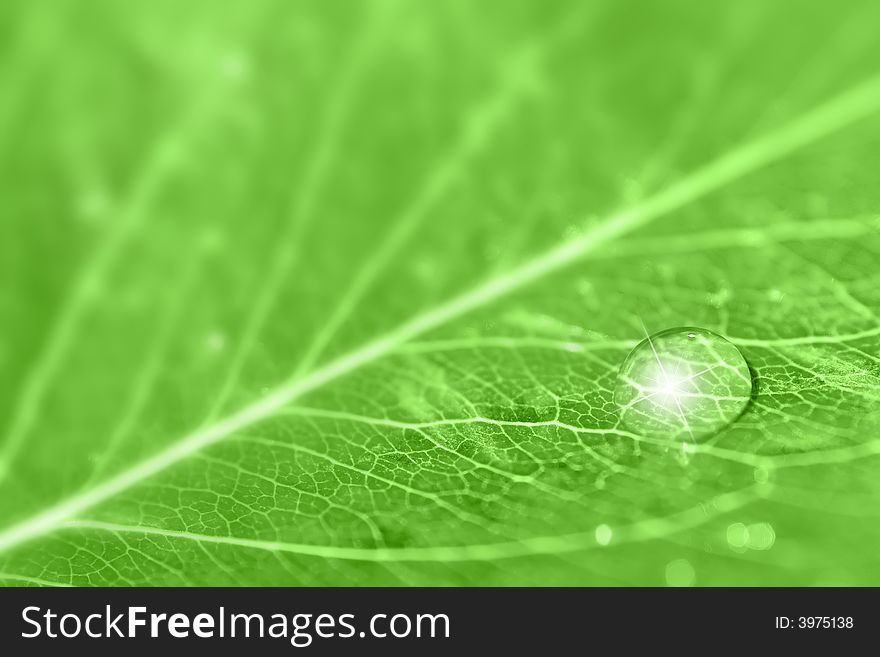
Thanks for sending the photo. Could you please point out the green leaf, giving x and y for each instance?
(324, 294)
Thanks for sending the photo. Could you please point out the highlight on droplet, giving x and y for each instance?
(683, 384)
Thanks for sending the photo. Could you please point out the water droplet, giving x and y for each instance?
(761, 536)
(757, 536)
(603, 534)
(682, 383)
(737, 537)
(680, 572)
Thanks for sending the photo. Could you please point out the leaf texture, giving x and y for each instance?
(313, 294)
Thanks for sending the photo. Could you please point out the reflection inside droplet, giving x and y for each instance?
(682, 383)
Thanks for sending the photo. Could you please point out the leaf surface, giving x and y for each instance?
(301, 296)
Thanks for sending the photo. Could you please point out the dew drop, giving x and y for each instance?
(680, 572)
(683, 384)
(737, 537)
(761, 536)
(603, 534)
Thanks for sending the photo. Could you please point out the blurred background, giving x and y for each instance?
(203, 202)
